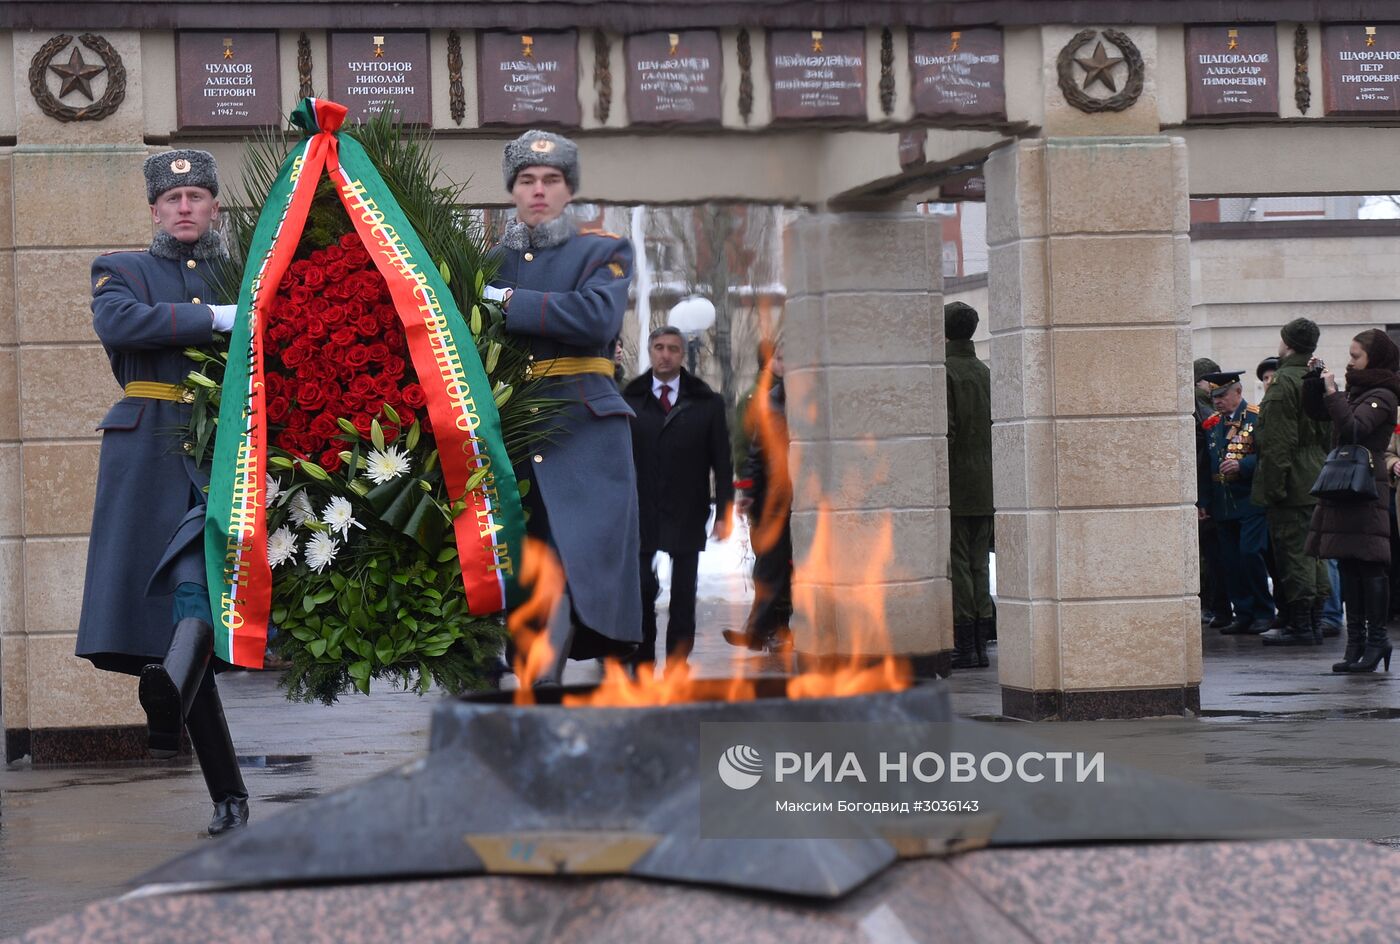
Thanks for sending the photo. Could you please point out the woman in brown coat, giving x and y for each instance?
(1357, 535)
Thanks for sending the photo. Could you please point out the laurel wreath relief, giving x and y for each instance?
(48, 102)
(1132, 89)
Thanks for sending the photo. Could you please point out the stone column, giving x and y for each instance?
(863, 347)
(77, 191)
(13, 707)
(1091, 390)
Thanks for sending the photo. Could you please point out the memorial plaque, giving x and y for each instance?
(529, 78)
(817, 74)
(1231, 71)
(957, 73)
(674, 77)
(228, 80)
(374, 72)
(913, 143)
(1361, 69)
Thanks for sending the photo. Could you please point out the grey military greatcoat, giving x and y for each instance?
(569, 301)
(149, 511)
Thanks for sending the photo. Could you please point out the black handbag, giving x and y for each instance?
(1349, 474)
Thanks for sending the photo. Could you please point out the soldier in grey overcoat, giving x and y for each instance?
(145, 607)
(565, 292)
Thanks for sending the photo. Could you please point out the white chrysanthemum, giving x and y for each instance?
(281, 547)
(301, 510)
(338, 516)
(274, 488)
(321, 549)
(387, 465)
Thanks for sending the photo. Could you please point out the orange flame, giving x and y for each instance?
(528, 622)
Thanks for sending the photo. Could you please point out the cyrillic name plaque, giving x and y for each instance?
(1231, 71)
(528, 78)
(817, 74)
(674, 77)
(1361, 69)
(957, 73)
(374, 72)
(227, 80)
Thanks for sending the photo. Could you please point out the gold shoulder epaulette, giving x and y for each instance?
(1252, 408)
(602, 232)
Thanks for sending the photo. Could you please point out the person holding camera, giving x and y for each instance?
(1356, 533)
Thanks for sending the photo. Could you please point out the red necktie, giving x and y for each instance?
(665, 398)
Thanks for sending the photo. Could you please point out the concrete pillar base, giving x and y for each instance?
(1049, 705)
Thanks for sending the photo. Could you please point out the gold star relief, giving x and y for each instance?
(1099, 68)
(77, 74)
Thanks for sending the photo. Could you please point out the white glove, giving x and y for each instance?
(493, 294)
(223, 317)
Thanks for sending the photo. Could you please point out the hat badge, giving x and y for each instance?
(180, 166)
(542, 146)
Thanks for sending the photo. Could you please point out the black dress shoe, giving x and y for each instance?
(1241, 626)
(229, 814)
(1220, 622)
(742, 640)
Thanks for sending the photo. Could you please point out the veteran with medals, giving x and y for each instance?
(1242, 527)
(565, 292)
(146, 606)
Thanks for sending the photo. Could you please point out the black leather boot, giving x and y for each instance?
(1377, 590)
(168, 689)
(1320, 631)
(559, 636)
(964, 646)
(979, 640)
(1354, 603)
(1298, 632)
(218, 761)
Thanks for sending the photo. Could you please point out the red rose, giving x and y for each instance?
(288, 280)
(394, 366)
(391, 433)
(324, 425)
(415, 396)
(310, 395)
(289, 311)
(293, 356)
(318, 306)
(387, 316)
(379, 352)
(363, 423)
(337, 271)
(333, 253)
(1210, 422)
(362, 385)
(370, 293)
(335, 314)
(315, 328)
(357, 356)
(406, 416)
(427, 423)
(298, 421)
(286, 440)
(278, 408)
(384, 385)
(350, 240)
(318, 258)
(343, 337)
(356, 258)
(298, 268)
(301, 295)
(315, 279)
(367, 325)
(274, 385)
(397, 341)
(330, 460)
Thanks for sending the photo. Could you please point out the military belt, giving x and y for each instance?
(567, 366)
(151, 390)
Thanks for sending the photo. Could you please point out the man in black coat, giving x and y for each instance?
(679, 438)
